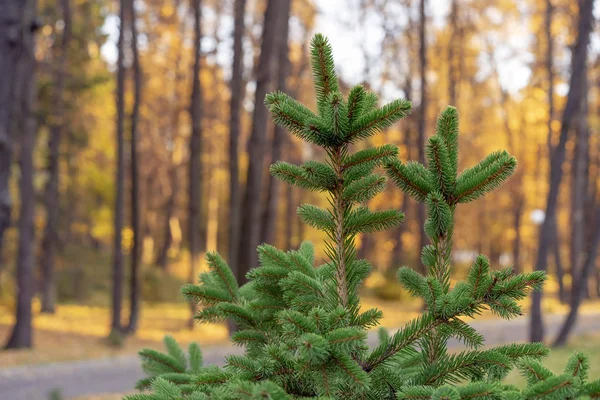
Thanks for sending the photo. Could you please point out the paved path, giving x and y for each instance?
(119, 374)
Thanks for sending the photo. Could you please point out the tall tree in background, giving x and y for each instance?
(579, 189)
(580, 281)
(23, 29)
(549, 16)
(422, 116)
(269, 226)
(252, 206)
(549, 64)
(235, 105)
(13, 42)
(572, 107)
(195, 172)
(135, 284)
(119, 210)
(52, 196)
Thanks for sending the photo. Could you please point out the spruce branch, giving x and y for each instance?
(373, 157)
(301, 324)
(323, 67)
(356, 102)
(412, 178)
(378, 120)
(447, 129)
(484, 177)
(440, 165)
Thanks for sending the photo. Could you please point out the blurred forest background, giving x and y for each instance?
(133, 138)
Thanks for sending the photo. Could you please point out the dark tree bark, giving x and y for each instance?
(558, 263)
(597, 282)
(579, 190)
(52, 196)
(550, 70)
(24, 96)
(252, 205)
(283, 67)
(14, 39)
(578, 284)
(119, 210)
(162, 258)
(422, 118)
(516, 250)
(135, 283)
(195, 173)
(366, 247)
(235, 108)
(291, 206)
(574, 97)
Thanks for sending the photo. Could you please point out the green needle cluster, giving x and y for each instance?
(301, 324)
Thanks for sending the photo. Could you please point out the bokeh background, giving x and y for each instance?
(135, 139)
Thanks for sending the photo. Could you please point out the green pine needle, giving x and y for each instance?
(301, 324)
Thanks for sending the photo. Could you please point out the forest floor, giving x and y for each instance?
(109, 377)
(77, 332)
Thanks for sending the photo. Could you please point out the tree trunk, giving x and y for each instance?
(135, 283)
(195, 174)
(117, 295)
(25, 85)
(14, 39)
(579, 190)
(576, 87)
(366, 247)
(578, 285)
(550, 71)
(597, 282)
(162, 258)
(52, 196)
(560, 269)
(422, 118)
(516, 252)
(283, 67)
(252, 206)
(235, 108)
(290, 224)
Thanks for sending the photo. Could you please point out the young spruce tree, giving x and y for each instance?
(304, 333)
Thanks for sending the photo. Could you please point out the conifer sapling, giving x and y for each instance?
(302, 327)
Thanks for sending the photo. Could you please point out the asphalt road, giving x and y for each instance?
(119, 374)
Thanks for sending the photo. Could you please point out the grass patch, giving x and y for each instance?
(80, 332)
(557, 360)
